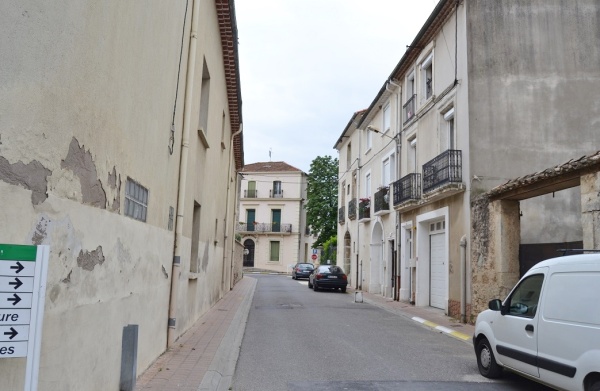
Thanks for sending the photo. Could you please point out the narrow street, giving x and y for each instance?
(297, 339)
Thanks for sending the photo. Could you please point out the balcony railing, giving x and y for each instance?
(409, 108)
(444, 168)
(352, 209)
(407, 188)
(342, 215)
(382, 200)
(264, 227)
(250, 193)
(364, 209)
(275, 194)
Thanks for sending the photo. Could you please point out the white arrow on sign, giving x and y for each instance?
(15, 300)
(14, 333)
(17, 268)
(16, 284)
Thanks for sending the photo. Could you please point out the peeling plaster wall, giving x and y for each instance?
(88, 94)
(590, 205)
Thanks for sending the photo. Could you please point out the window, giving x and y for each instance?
(369, 136)
(409, 106)
(277, 191)
(343, 192)
(136, 200)
(223, 145)
(386, 172)
(386, 118)
(368, 185)
(412, 155)
(524, 299)
(195, 238)
(348, 156)
(274, 252)
(448, 136)
(251, 192)
(204, 97)
(427, 76)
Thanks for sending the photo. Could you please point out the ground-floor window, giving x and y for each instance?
(274, 253)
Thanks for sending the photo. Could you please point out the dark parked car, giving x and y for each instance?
(328, 277)
(302, 270)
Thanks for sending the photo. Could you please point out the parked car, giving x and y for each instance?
(328, 277)
(302, 270)
(548, 328)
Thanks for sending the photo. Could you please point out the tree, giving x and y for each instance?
(321, 206)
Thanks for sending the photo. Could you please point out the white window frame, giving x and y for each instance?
(369, 143)
(368, 184)
(426, 65)
(450, 128)
(391, 158)
(387, 116)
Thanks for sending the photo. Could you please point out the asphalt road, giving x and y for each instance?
(297, 339)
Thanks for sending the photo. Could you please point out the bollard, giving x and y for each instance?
(129, 346)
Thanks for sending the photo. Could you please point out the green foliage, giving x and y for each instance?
(321, 206)
(330, 250)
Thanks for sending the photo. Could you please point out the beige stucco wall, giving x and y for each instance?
(292, 248)
(88, 93)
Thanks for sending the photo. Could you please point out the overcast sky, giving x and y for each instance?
(307, 65)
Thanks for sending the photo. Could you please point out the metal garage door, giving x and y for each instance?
(438, 271)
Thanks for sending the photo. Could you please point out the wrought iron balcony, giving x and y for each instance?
(342, 215)
(443, 169)
(352, 209)
(382, 201)
(250, 193)
(364, 209)
(409, 108)
(407, 188)
(264, 227)
(275, 194)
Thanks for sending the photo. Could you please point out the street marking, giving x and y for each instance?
(443, 329)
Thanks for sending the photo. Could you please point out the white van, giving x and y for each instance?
(548, 328)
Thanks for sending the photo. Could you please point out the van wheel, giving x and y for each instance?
(595, 386)
(486, 361)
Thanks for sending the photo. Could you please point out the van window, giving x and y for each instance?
(573, 297)
(524, 299)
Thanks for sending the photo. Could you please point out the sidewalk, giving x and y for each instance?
(204, 358)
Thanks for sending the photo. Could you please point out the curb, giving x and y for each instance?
(445, 330)
(220, 373)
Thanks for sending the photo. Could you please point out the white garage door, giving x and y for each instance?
(438, 271)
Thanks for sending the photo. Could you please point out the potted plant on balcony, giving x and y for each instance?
(364, 207)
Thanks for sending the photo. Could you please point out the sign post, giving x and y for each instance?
(23, 271)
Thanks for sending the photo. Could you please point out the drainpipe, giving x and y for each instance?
(227, 218)
(397, 176)
(183, 168)
(463, 279)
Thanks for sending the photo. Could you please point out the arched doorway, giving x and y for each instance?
(248, 253)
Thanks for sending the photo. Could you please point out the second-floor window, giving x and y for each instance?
(368, 185)
(427, 76)
(386, 118)
(412, 155)
(277, 190)
(448, 136)
(251, 189)
(386, 171)
(348, 156)
(369, 136)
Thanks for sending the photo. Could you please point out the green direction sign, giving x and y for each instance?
(16, 252)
